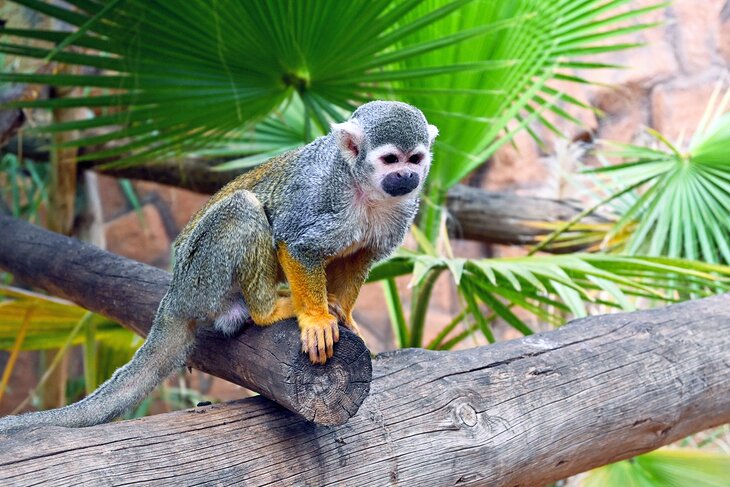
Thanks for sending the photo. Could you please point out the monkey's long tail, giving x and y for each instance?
(167, 348)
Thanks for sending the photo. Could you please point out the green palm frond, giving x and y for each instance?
(664, 468)
(51, 322)
(179, 76)
(484, 109)
(31, 321)
(23, 192)
(673, 198)
(284, 129)
(551, 288)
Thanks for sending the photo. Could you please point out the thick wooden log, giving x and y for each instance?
(519, 413)
(265, 359)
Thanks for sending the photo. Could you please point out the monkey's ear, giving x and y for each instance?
(349, 136)
(432, 133)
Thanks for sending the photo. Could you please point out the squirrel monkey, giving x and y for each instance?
(317, 217)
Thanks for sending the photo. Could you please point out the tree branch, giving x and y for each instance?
(265, 359)
(507, 218)
(523, 412)
(475, 214)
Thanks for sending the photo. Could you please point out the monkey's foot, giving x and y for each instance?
(335, 308)
(283, 309)
(319, 335)
(344, 317)
(351, 325)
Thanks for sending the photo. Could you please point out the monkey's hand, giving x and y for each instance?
(319, 333)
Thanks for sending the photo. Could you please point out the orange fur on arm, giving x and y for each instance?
(308, 286)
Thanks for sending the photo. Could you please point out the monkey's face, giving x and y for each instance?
(398, 172)
(388, 148)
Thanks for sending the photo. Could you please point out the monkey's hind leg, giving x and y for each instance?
(227, 266)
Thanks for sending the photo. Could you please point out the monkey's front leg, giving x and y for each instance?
(319, 330)
(345, 277)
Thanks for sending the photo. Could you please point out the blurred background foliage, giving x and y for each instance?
(240, 81)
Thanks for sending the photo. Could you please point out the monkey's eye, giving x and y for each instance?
(390, 159)
(415, 158)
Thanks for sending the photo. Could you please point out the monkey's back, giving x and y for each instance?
(267, 181)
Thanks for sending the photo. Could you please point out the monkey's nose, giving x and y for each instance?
(399, 183)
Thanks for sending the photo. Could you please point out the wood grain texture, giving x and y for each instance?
(265, 359)
(518, 413)
(507, 218)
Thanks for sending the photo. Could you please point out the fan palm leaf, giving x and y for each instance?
(177, 76)
(673, 200)
(553, 287)
(665, 468)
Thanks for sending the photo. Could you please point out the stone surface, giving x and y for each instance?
(697, 32)
(514, 165)
(113, 201)
(179, 204)
(677, 107)
(724, 33)
(625, 112)
(143, 239)
(647, 64)
(184, 205)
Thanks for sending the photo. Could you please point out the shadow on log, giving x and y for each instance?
(265, 359)
(519, 413)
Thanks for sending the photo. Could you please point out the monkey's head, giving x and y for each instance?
(387, 144)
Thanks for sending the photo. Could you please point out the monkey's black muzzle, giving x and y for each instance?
(399, 183)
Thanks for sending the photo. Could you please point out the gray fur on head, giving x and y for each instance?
(321, 220)
(387, 121)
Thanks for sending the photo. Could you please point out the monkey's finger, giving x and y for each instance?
(321, 346)
(304, 340)
(336, 333)
(328, 339)
(312, 345)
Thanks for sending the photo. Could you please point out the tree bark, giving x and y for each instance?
(507, 218)
(265, 359)
(519, 413)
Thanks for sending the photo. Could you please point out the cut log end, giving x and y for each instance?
(269, 360)
(332, 394)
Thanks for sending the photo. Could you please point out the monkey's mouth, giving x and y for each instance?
(399, 183)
